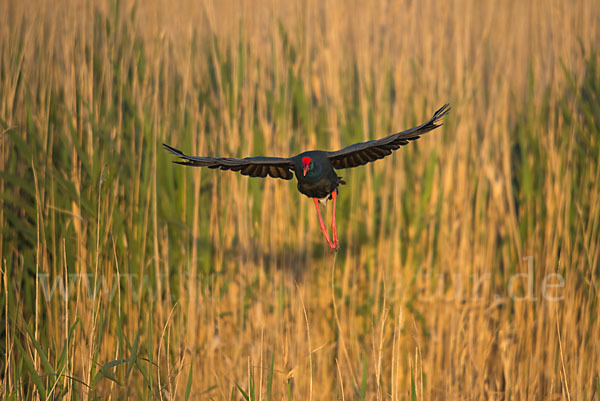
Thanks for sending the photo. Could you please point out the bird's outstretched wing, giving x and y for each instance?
(277, 167)
(365, 152)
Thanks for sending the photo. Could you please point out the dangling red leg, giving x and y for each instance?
(323, 228)
(336, 244)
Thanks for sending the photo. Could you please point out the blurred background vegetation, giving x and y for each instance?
(125, 276)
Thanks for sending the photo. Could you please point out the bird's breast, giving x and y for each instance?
(320, 189)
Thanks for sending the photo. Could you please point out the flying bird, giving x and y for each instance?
(315, 169)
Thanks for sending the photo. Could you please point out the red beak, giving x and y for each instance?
(305, 165)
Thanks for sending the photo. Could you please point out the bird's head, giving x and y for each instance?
(306, 162)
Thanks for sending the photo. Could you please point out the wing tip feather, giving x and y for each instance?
(173, 150)
(440, 113)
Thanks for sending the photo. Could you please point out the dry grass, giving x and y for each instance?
(213, 285)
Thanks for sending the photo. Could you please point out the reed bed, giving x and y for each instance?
(470, 260)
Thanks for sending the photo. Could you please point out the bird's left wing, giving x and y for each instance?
(276, 167)
(365, 152)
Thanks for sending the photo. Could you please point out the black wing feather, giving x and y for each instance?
(365, 152)
(277, 167)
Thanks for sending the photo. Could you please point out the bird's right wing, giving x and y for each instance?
(365, 152)
(276, 167)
